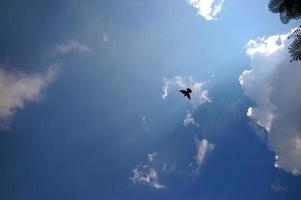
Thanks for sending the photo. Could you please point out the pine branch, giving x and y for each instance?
(295, 49)
(296, 33)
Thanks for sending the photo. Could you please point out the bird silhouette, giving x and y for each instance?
(186, 92)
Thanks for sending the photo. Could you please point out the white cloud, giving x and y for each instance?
(203, 147)
(17, 89)
(199, 95)
(147, 176)
(207, 8)
(72, 45)
(274, 85)
(152, 156)
(189, 119)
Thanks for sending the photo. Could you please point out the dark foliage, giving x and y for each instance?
(288, 10)
(296, 33)
(295, 49)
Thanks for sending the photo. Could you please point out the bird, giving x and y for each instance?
(186, 92)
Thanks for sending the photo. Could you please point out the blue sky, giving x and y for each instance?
(90, 108)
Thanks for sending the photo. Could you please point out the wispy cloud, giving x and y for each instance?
(145, 123)
(199, 95)
(189, 120)
(169, 168)
(147, 176)
(72, 45)
(274, 84)
(105, 38)
(152, 157)
(207, 8)
(203, 148)
(277, 187)
(17, 89)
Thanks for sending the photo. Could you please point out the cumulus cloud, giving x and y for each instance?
(203, 148)
(274, 85)
(17, 89)
(189, 119)
(147, 176)
(72, 45)
(199, 95)
(207, 8)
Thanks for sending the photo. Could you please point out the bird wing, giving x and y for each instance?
(183, 91)
(188, 95)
